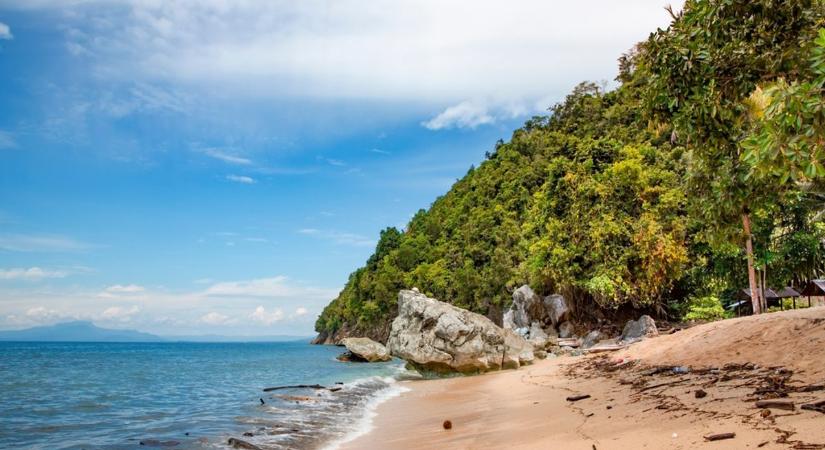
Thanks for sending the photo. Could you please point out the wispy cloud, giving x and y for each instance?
(379, 151)
(243, 179)
(226, 157)
(215, 318)
(121, 291)
(31, 274)
(339, 237)
(351, 50)
(466, 114)
(40, 243)
(125, 289)
(274, 287)
(5, 32)
(7, 140)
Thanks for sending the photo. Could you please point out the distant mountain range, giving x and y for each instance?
(78, 331)
(84, 331)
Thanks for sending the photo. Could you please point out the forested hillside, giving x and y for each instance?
(637, 197)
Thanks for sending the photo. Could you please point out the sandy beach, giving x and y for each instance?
(636, 398)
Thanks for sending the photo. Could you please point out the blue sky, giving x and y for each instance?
(218, 167)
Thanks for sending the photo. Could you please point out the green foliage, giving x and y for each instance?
(705, 308)
(633, 197)
(788, 140)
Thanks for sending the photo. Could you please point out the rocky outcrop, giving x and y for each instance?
(557, 308)
(636, 330)
(527, 308)
(434, 336)
(364, 349)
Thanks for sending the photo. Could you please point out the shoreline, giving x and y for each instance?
(629, 407)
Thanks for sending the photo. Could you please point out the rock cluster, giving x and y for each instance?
(544, 322)
(434, 336)
(537, 319)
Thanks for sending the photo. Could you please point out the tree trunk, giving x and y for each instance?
(746, 223)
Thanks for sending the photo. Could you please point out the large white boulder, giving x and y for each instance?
(434, 336)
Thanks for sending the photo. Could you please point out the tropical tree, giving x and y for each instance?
(701, 72)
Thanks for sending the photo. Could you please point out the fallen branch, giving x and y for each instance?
(297, 386)
(575, 398)
(776, 404)
(817, 406)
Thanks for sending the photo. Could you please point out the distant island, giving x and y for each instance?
(85, 331)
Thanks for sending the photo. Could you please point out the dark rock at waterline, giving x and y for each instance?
(366, 349)
(349, 356)
(158, 443)
(241, 444)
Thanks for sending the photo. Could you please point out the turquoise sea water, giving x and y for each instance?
(182, 395)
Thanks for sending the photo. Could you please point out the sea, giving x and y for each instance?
(186, 395)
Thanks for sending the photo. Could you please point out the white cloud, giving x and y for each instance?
(7, 140)
(214, 318)
(125, 289)
(39, 243)
(243, 307)
(338, 237)
(121, 291)
(43, 314)
(265, 317)
(31, 274)
(466, 114)
(425, 50)
(275, 287)
(5, 31)
(241, 179)
(226, 157)
(119, 313)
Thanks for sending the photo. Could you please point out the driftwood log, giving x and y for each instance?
(776, 404)
(720, 436)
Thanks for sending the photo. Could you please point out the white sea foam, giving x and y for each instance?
(364, 423)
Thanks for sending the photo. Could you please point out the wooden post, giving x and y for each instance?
(794, 303)
(809, 301)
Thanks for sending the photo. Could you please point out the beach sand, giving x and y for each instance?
(629, 407)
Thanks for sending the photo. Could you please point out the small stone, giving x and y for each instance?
(447, 425)
(700, 393)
